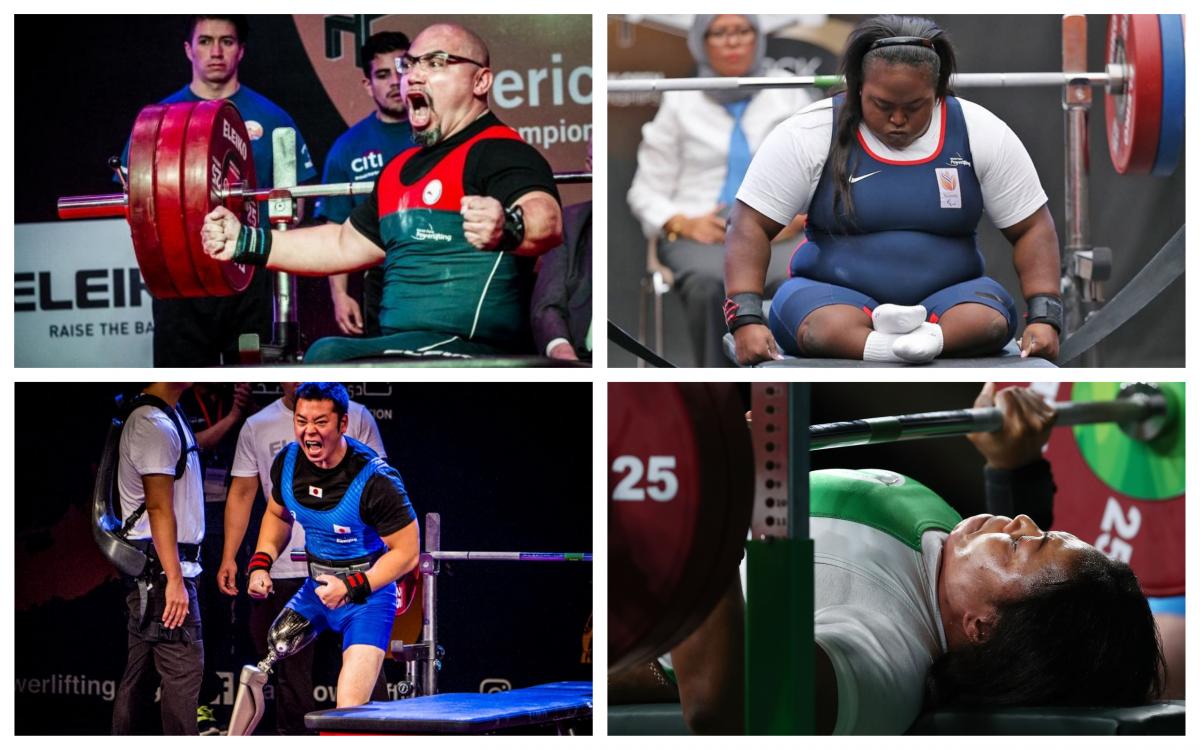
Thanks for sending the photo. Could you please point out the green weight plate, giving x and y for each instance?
(1152, 470)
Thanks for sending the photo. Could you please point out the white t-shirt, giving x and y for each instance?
(263, 436)
(877, 618)
(784, 173)
(684, 154)
(150, 445)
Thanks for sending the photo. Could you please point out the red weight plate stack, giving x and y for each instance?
(216, 153)
(1133, 117)
(681, 482)
(143, 216)
(170, 189)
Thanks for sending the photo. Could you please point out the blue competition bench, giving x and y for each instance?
(554, 707)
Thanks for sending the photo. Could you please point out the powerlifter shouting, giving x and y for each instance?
(456, 221)
(360, 538)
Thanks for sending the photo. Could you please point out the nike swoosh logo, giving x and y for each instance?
(865, 176)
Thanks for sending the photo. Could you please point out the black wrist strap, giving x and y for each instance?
(743, 309)
(514, 229)
(1045, 308)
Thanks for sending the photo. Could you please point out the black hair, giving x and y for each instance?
(1090, 640)
(938, 59)
(378, 43)
(335, 392)
(239, 22)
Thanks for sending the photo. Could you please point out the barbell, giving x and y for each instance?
(185, 159)
(682, 475)
(1143, 79)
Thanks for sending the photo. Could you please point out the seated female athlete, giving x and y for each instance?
(894, 175)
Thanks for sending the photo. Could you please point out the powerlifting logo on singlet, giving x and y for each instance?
(958, 161)
(949, 188)
(429, 234)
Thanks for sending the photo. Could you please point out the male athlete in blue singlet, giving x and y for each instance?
(894, 175)
(361, 537)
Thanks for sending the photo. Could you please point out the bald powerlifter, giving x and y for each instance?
(456, 222)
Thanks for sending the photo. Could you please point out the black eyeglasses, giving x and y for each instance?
(432, 61)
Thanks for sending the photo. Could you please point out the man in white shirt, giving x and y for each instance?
(159, 482)
(261, 438)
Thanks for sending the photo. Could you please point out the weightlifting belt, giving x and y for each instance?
(319, 567)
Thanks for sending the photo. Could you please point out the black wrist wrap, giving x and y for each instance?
(744, 308)
(1045, 308)
(514, 230)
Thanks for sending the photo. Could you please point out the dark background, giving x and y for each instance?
(506, 465)
(1134, 215)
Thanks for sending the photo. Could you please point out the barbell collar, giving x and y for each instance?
(1133, 407)
(1113, 77)
(114, 205)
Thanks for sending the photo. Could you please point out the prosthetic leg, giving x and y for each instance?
(290, 632)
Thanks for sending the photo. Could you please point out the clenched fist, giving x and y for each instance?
(220, 233)
(483, 221)
(260, 585)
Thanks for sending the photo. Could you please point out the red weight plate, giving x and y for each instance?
(680, 492)
(1147, 534)
(169, 191)
(143, 222)
(216, 153)
(1133, 117)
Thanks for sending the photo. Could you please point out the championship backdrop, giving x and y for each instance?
(308, 65)
(1133, 214)
(506, 466)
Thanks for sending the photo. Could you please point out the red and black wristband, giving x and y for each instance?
(358, 588)
(260, 561)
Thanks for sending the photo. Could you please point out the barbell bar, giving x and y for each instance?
(1143, 78)
(512, 556)
(1144, 414)
(1113, 79)
(114, 205)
